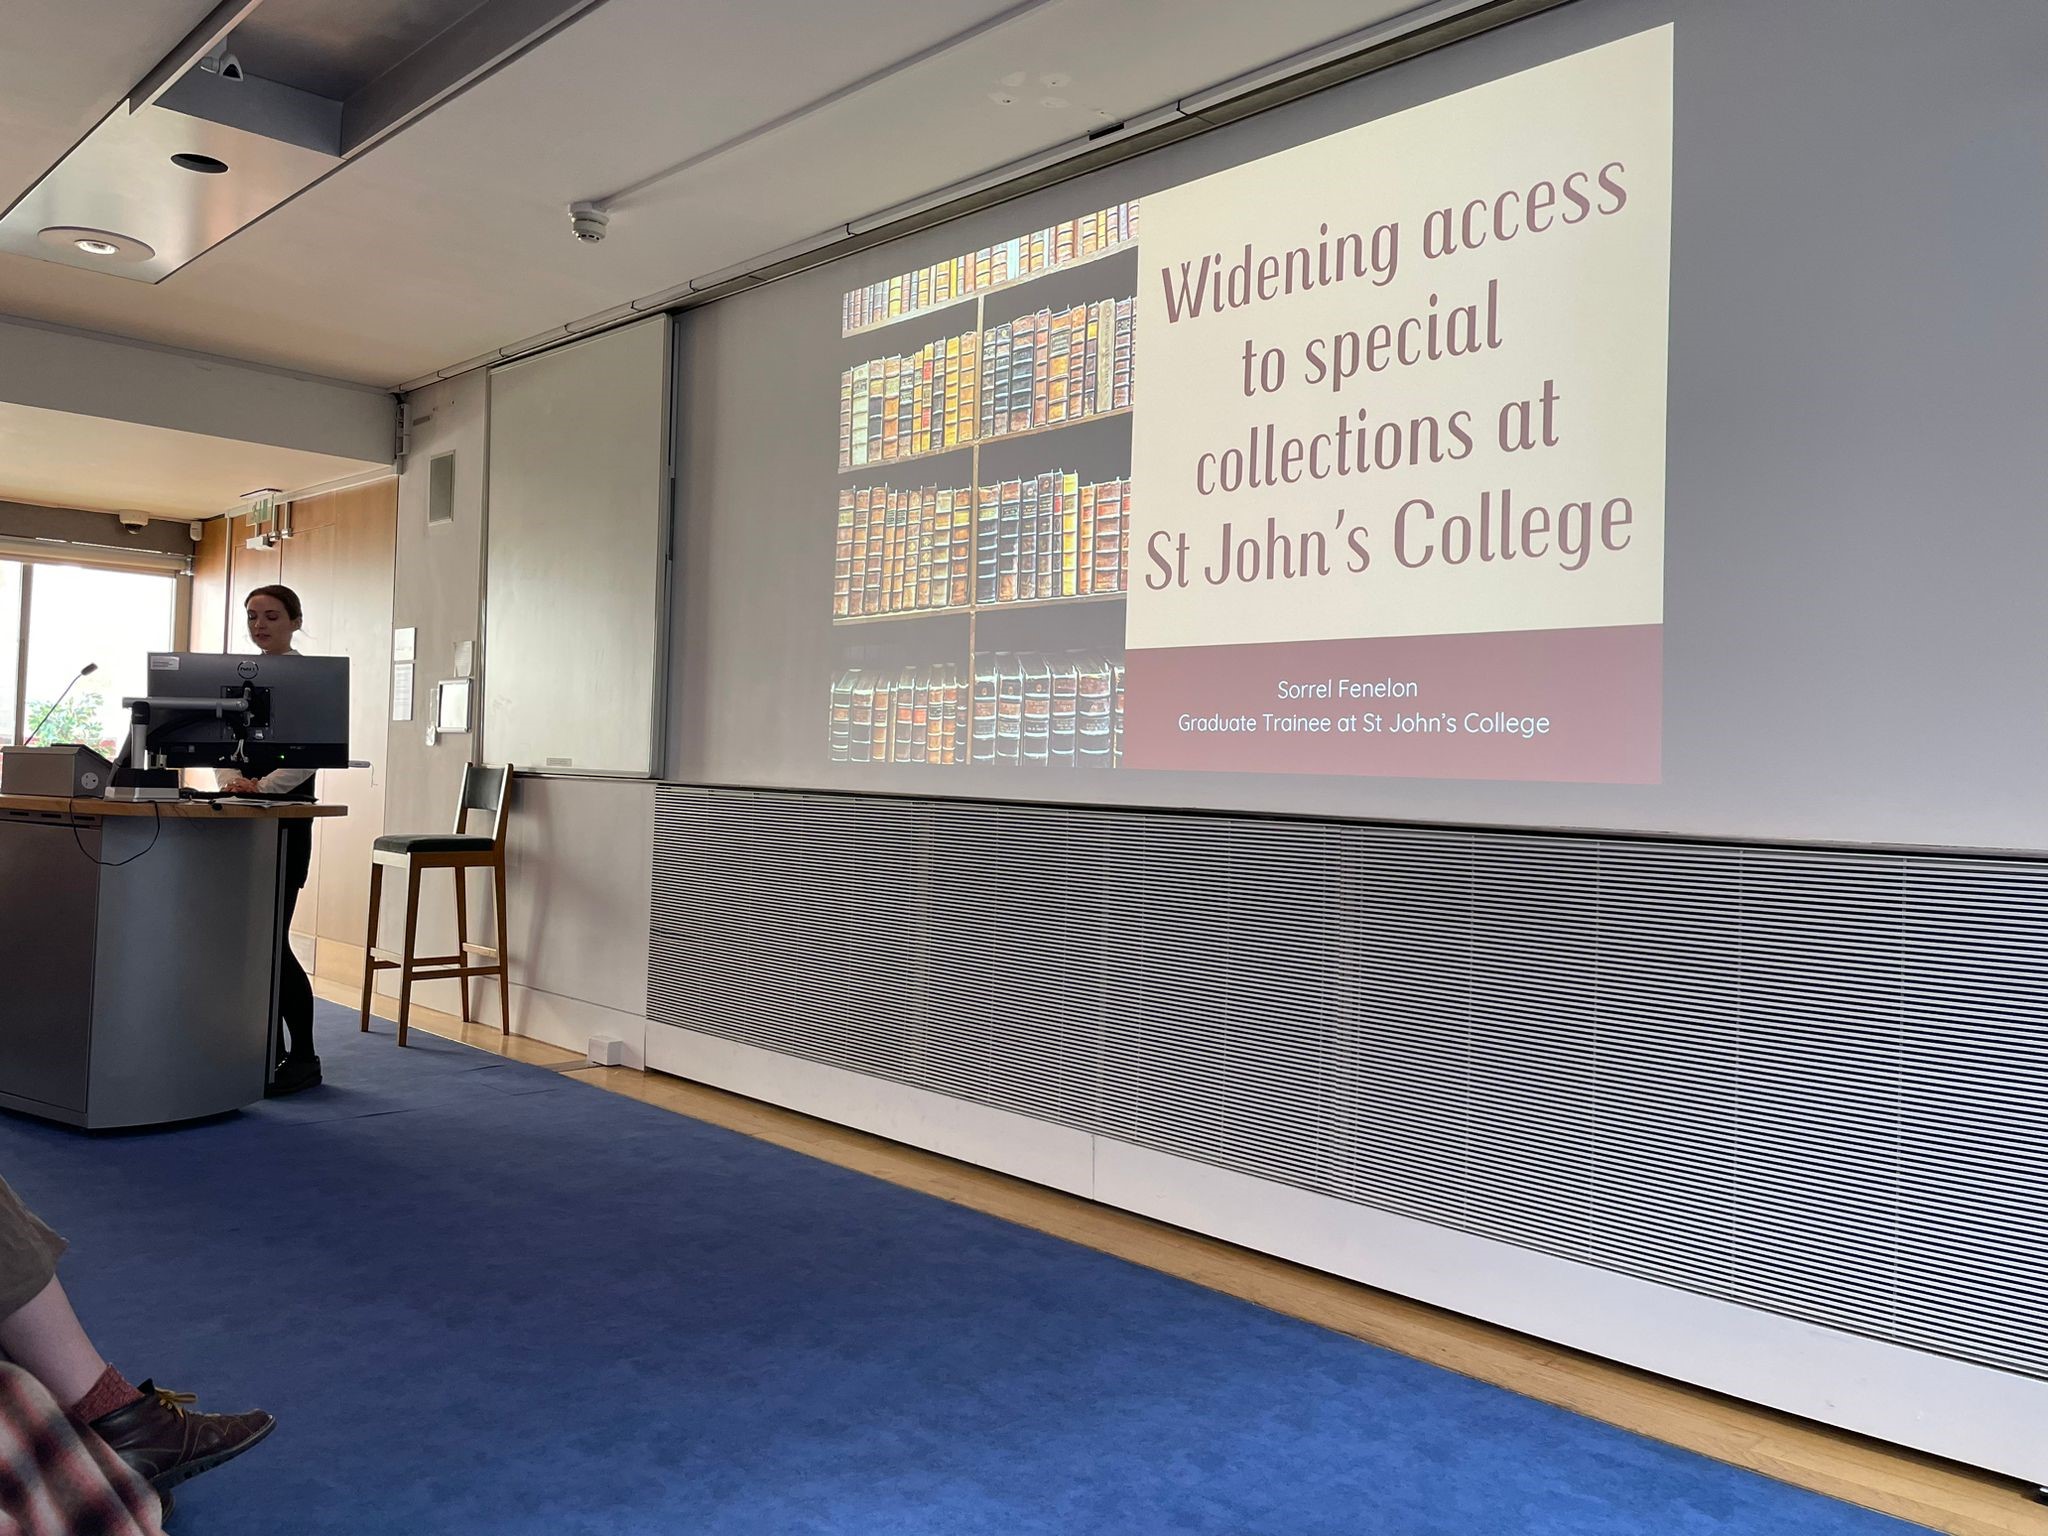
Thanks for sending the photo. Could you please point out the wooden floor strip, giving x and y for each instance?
(1942, 1495)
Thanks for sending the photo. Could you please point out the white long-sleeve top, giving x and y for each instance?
(279, 781)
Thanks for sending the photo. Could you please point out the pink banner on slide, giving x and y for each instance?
(1568, 705)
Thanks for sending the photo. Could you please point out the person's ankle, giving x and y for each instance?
(112, 1391)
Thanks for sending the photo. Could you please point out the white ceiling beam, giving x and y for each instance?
(80, 373)
(809, 109)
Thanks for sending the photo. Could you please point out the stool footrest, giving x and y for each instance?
(450, 972)
(422, 963)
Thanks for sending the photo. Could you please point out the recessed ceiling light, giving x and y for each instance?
(100, 244)
(205, 165)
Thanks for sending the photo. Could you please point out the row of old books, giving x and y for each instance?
(1050, 536)
(1048, 709)
(1032, 255)
(913, 715)
(1062, 709)
(906, 550)
(1035, 371)
(898, 551)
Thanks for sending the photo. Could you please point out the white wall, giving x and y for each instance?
(581, 849)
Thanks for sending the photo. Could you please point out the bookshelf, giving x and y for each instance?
(957, 300)
(980, 548)
(973, 274)
(913, 615)
(972, 447)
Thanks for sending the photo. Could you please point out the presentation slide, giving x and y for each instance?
(1349, 460)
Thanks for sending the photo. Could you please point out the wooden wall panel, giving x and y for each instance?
(247, 569)
(340, 562)
(306, 564)
(208, 630)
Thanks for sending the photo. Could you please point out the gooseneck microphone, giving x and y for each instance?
(85, 671)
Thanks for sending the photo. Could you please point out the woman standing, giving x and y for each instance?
(274, 615)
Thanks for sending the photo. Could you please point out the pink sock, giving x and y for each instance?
(110, 1392)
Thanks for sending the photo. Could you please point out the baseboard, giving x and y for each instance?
(339, 962)
(1963, 1412)
(1051, 1155)
(568, 1022)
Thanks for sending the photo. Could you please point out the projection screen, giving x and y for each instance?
(1617, 421)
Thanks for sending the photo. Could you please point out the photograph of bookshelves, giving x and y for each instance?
(981, 532)
(932, 549)
(1038, 710)
(964, 278)
(917, 715)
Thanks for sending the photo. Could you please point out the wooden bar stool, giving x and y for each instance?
(488, 790)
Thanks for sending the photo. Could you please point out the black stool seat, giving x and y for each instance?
(431, 842)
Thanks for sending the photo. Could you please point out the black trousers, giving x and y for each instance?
(295, 990)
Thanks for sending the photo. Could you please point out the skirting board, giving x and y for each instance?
(568, 1022)
(1967, 1413)
(1052, 1155)
(339, 962)
(565, 1021)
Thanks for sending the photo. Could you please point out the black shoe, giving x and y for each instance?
(294, 1074)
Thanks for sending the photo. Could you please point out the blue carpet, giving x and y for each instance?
(482, 1297)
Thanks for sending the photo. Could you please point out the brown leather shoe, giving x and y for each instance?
(166, 1445)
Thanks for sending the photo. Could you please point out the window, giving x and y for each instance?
(80, 614)
(11, 724)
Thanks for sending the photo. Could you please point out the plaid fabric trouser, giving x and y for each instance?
(58, 1478)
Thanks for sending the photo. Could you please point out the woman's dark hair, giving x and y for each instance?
(284, 595)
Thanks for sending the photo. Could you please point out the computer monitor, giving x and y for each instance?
(298, 712)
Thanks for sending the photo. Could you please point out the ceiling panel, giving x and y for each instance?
(1050, 79)
(53, 458)
(64, 65)
(451, 239)
(334, 49)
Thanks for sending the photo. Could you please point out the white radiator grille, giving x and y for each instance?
(1810, 1081)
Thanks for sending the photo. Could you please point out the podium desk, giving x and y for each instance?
(140, 951)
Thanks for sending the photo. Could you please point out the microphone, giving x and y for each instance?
(85, 671)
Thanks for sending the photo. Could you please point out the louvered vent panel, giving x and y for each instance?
(1401, 1111)
(1663, 1196)
(1008, 986)
(1805, 1080)
(1973, 1164)
(1166, 885)
(1534, 911)
(1818, 1083)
